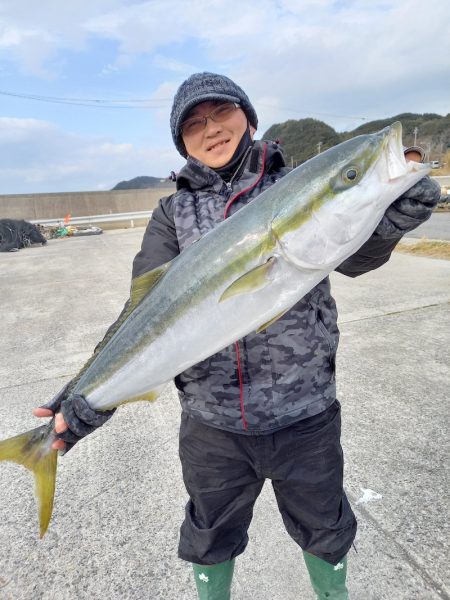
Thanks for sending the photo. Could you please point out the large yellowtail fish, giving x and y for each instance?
(238, 278)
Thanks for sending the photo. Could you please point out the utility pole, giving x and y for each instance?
(292, 161)
(318, 147)
(415, 136)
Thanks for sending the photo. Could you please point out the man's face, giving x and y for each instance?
(413, 155)
(215, 144)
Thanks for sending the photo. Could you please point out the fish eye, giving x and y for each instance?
(350, 174)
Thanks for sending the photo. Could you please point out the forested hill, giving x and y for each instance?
(143, 182)
(300, 139)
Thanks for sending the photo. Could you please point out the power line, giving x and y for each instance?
(145, 103)
(308, 112)
(94, 102)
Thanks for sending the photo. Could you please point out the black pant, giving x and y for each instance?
(224, 473)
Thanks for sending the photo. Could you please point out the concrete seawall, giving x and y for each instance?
(79, 204)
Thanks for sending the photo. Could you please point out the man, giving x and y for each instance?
(266, 406)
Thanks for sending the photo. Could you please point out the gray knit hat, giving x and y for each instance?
(203, 87)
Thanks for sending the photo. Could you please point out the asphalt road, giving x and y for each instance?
(443, 179)
(120, 498)
(436, 228)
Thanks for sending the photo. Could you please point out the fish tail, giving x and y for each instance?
(33, 450)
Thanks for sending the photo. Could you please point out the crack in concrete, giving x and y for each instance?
(18, 385)
(394, 312)
(405, 554)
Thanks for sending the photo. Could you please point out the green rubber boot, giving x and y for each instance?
(214, 581)
(328, 581)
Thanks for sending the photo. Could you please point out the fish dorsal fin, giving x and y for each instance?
(142, 284)
(254, 280)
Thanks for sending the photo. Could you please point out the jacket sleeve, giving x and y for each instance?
(404, 214)
(159, 245)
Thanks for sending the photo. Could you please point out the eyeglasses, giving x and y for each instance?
(197, 124)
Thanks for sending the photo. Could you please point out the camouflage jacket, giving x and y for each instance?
(268, 380)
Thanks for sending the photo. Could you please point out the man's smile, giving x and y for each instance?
(217, 145)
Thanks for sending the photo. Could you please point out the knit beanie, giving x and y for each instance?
(204, 87)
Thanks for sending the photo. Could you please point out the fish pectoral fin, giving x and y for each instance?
(142, 284)
(254, 280)
(149, 396)
(275, 318)
(31, 449)
(146, 397)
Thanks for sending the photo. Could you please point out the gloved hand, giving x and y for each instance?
(410, 210)
(74, 418)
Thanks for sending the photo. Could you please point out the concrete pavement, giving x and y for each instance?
(120, 497)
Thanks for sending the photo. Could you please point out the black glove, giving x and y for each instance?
(79, 416)
(410, 210)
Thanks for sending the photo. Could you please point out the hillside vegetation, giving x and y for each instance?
(300, 139)
(143, 182)
(303, 139)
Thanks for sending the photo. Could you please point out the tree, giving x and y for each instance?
(300, 139)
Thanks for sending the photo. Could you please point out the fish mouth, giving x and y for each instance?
(397, 165)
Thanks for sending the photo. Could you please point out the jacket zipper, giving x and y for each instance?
(225, 214)
(231, 200)
(241, 385)
(235, 174)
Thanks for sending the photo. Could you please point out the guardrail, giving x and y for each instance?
(95, 219)
(135, 216)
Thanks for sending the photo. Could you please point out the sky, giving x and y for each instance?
(86, 86)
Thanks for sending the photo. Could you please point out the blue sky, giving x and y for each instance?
(338, 61)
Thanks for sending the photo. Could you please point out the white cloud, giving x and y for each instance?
(299, 48)
(355, 61)
(161, 98)
(348, 58)
(32, 35)
(38, 155)
(109, 70)
(169, 64)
